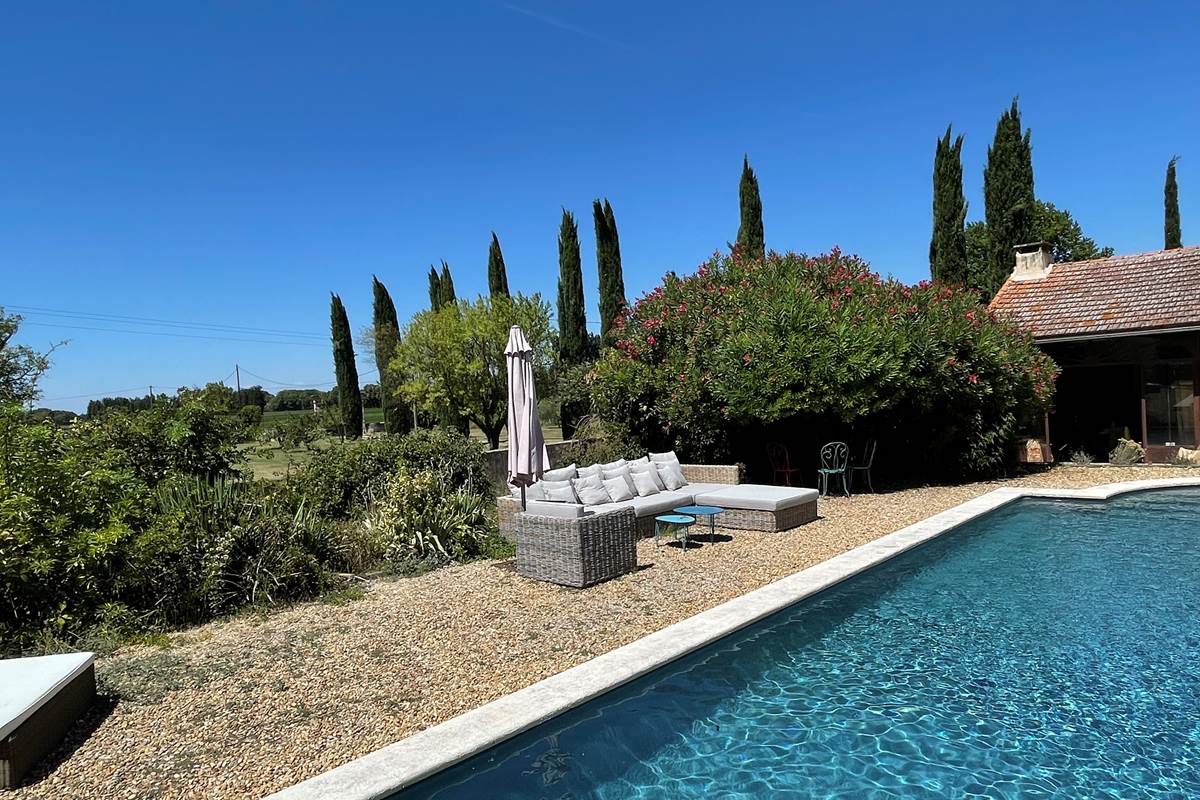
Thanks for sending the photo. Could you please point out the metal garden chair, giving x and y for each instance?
(781, 463)
(864, 466)
(835, 461)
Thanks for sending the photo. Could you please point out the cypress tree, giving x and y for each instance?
(497, 276)
(608, 265)
(446, 284)
(387, 336)
(435, 289)
(572, 322)
(1172, 235)
(1008, 199)
(750, 239)
(349, 395)
(948, 246)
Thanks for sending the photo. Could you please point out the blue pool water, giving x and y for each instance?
(1048, 650)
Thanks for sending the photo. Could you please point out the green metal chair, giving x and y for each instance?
(835, 462)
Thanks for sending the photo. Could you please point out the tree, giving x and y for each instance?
(1008, 200)
(349, 397)
(446, 284)
(435, 289)
(1172, 235)
(454, 358)
(396, 418)
(750, 240)
(497, 275)
(1052, 225)
(20, 366)
(948, 246)
(572, 322)
(608, 265)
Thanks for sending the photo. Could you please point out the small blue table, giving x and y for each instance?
(704, 511)
(669, 524)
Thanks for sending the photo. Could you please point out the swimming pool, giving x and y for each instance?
(1050, 649)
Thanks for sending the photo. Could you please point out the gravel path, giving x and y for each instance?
(243, 707)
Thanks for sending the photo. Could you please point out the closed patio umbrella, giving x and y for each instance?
(526, 446)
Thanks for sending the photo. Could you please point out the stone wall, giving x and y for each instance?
(497, 461)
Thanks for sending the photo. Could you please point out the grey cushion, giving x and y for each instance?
(623, 474)
(671, 474)
(561, 474)
(651, 470)
(587, 472)
(557, 491)
(545, 509)
(695, 489)
(646, 506)
(604, 508)
(644, 483)
(756, 497)
(591, 491)
(620, 462)
(664, 458)
(660, 503)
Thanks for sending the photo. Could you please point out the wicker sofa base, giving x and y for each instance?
(737, 519)
(576, 552)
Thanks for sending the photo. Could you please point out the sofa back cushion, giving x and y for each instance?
(618, 488)
(561, 474)
(620, 462)
(665, 458)
(587, 472)
(591, 491)
(672, 475)
(651, 470)
(557, 491)
(645, 484)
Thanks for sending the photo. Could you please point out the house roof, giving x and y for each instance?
(1121, 294)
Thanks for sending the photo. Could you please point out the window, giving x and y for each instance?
(1170, 415)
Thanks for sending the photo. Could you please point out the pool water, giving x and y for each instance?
(1048, 650)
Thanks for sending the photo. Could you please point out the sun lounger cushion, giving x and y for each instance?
(756, 497)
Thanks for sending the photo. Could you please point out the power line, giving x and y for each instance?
(122, 318)
(176, 335)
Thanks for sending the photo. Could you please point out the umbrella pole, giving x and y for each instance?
(522, 497)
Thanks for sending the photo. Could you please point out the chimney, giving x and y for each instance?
(1034, 261)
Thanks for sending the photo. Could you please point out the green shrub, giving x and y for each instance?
(340, 481)
(1081, 457)
(422, 517)
(1126, 453)
(820, 343)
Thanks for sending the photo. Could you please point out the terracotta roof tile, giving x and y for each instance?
(1146, 291)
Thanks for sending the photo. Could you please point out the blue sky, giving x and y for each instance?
(232, 163)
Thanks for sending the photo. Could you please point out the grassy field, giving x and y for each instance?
(274, 463)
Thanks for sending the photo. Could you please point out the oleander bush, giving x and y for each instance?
(820, 343)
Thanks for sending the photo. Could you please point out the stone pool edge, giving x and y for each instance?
(386, 771)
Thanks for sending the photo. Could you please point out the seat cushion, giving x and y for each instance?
(655, 504)
(695, 489)
(544, 508)
(604, 508)
(756, 497)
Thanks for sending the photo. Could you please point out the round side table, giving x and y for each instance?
(704, 511)
(671, 525)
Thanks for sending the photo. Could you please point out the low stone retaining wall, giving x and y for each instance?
(497, 461)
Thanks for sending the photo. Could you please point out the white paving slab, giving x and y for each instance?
(403, 763)
(27, 683)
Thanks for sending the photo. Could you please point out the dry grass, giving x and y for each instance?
(243, 707)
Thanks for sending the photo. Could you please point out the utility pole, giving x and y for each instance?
(237, 371)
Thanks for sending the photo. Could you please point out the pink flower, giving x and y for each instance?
(746, 358)
(651, 340)
(973, 378)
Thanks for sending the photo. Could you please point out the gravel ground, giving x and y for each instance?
(243, 707)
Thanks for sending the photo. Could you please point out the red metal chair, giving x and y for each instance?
(781, 463)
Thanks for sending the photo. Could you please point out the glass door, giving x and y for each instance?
(1169, 393)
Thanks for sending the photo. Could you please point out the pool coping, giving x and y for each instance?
(401, 764)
